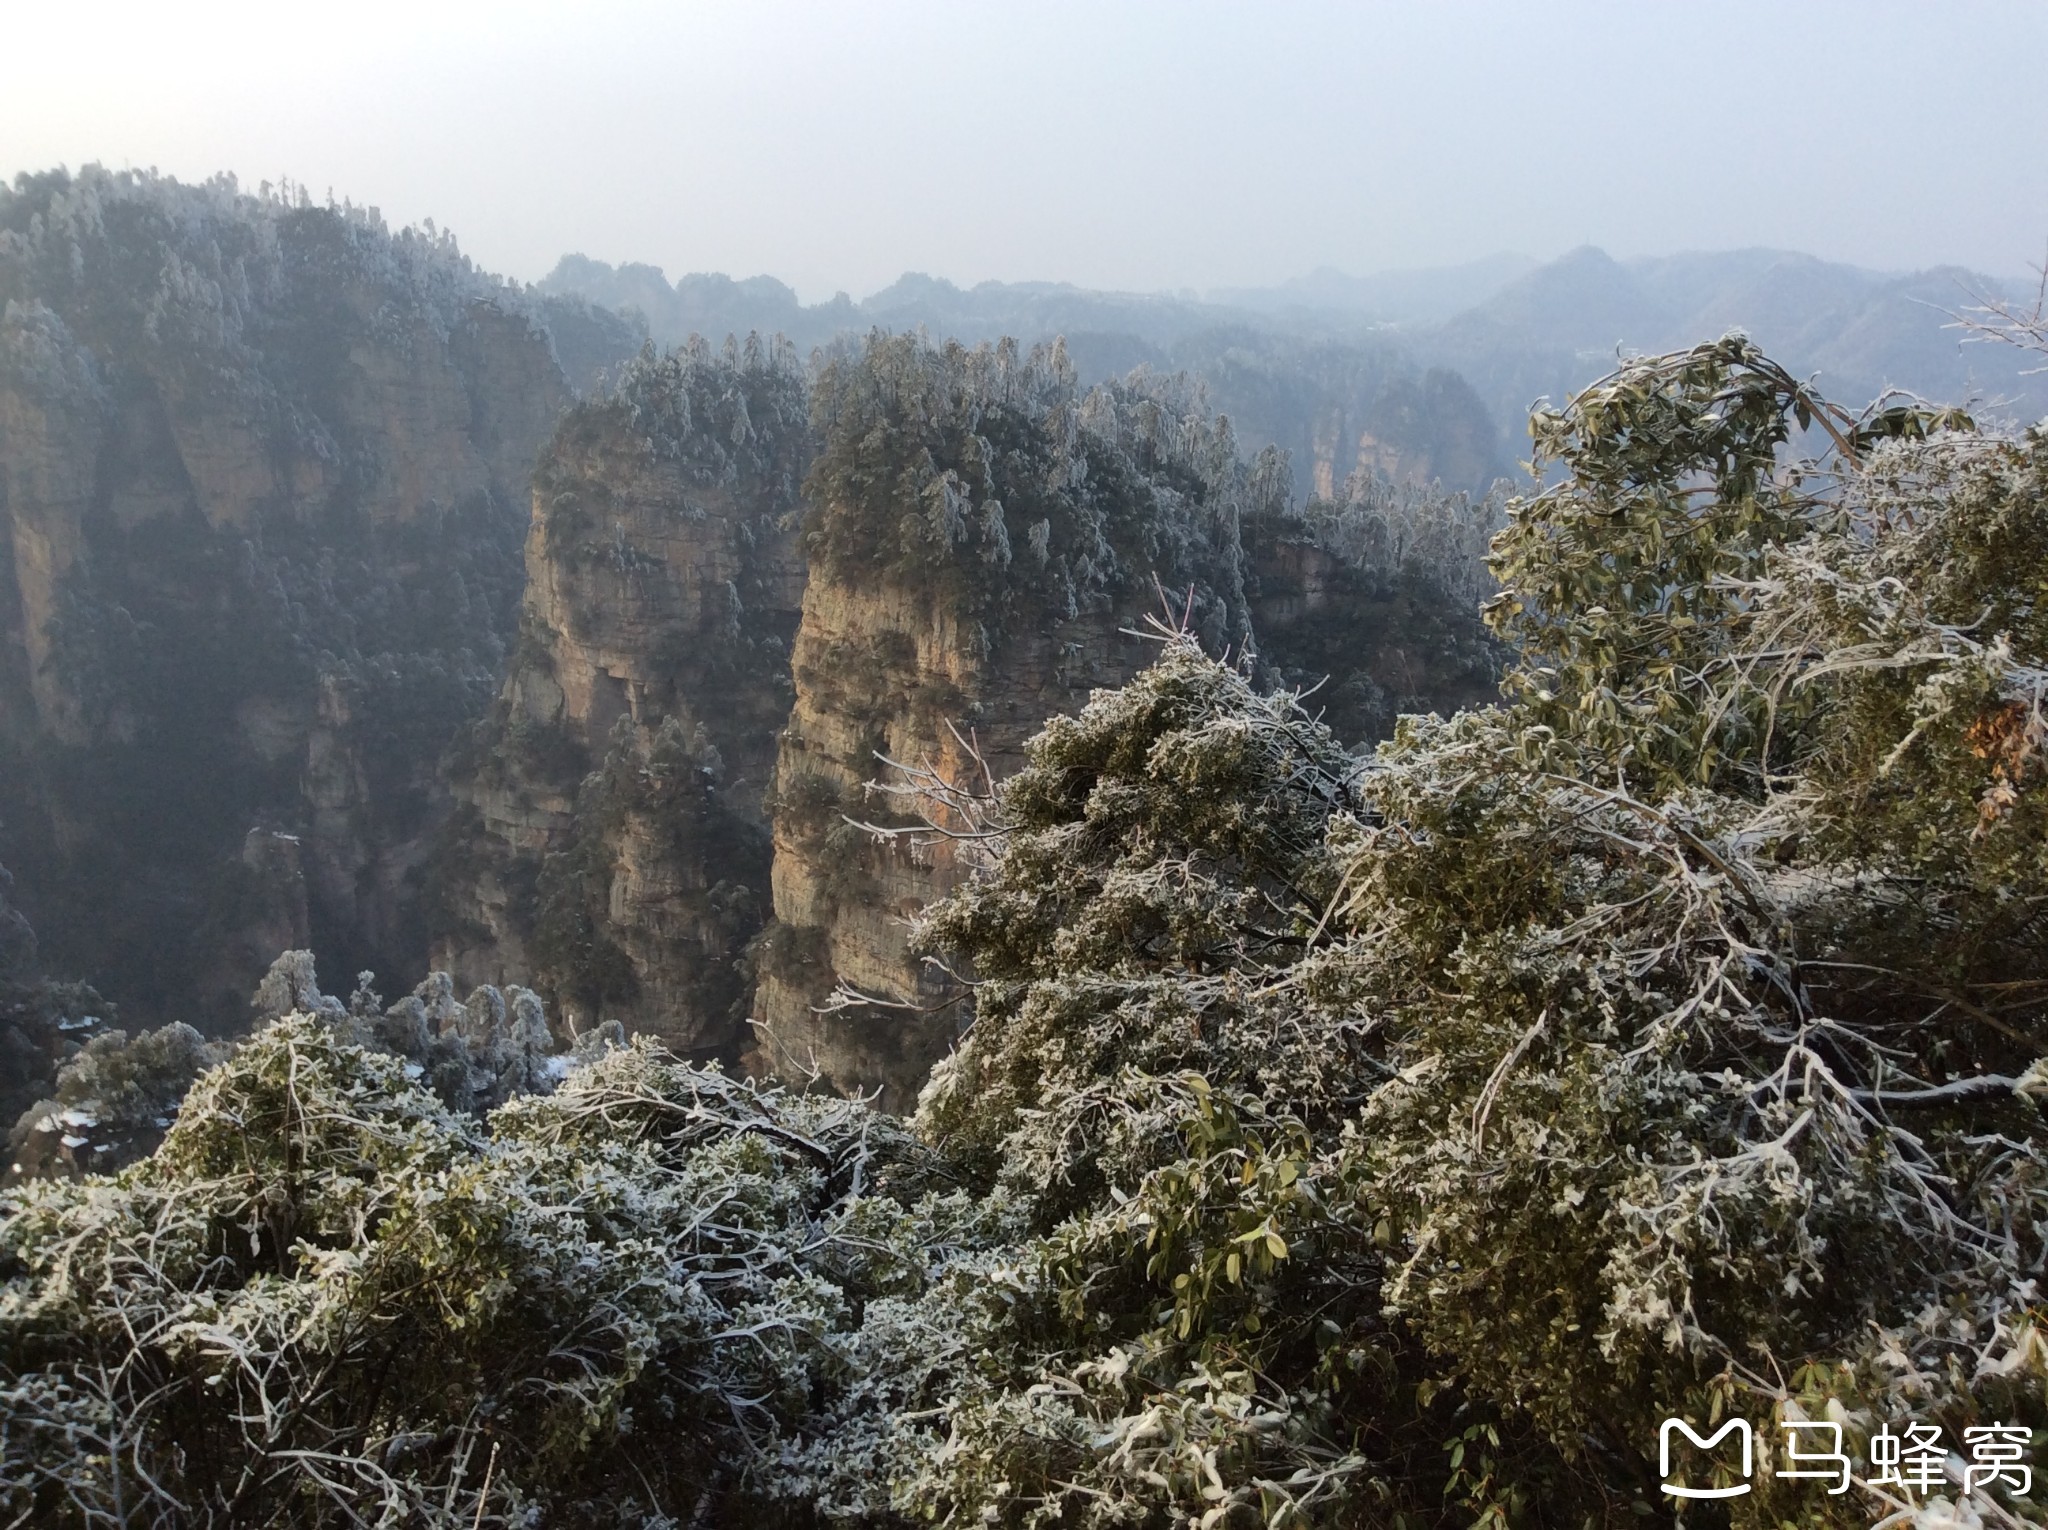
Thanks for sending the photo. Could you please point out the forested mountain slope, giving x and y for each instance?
(266, 469)
(264, 473)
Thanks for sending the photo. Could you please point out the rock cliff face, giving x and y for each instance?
(612, 847)
(980, 539)
(981, 536)
(263, 467)
(1340, 410)
(1411, 430)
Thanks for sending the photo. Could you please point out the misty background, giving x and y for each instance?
(1135, 147)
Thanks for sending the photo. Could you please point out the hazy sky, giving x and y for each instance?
(1138, 146)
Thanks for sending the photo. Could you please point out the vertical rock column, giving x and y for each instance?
(882, 672)
(982, 540)
(612, 846)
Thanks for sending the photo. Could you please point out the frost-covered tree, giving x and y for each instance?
(1711, 967)
(328, 1299)
(991, 477)
(1690, 1003)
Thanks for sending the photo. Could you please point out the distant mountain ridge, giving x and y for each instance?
(1857, 331)
(1337, 390)
(1514, 329)
(713, 305)
(1419, 295)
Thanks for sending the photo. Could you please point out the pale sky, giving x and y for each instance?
(1140, 146)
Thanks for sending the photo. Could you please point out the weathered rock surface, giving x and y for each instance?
(983, 538)
(263, 467)
(612, 846)
(883, 674)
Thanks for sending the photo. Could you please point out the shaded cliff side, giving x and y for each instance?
(1370, 603)
(263, 470)
(43, 1022)
(612, 845)
(981, 535)
(1349, 408)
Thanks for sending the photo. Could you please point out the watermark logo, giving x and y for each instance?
(1995, 1457)
(1738, 1427)
(1912, 1462)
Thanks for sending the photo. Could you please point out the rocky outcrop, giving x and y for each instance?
(981, 544)
(883, 673)
(265, 481)
(984, 542)
(612, 846)
(263, 469)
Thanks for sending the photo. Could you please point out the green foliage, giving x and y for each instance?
(1620, 584)
(1669, 952)
(327, 1296)
(571, 947)
(1639, 979)
(1160, 1068)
